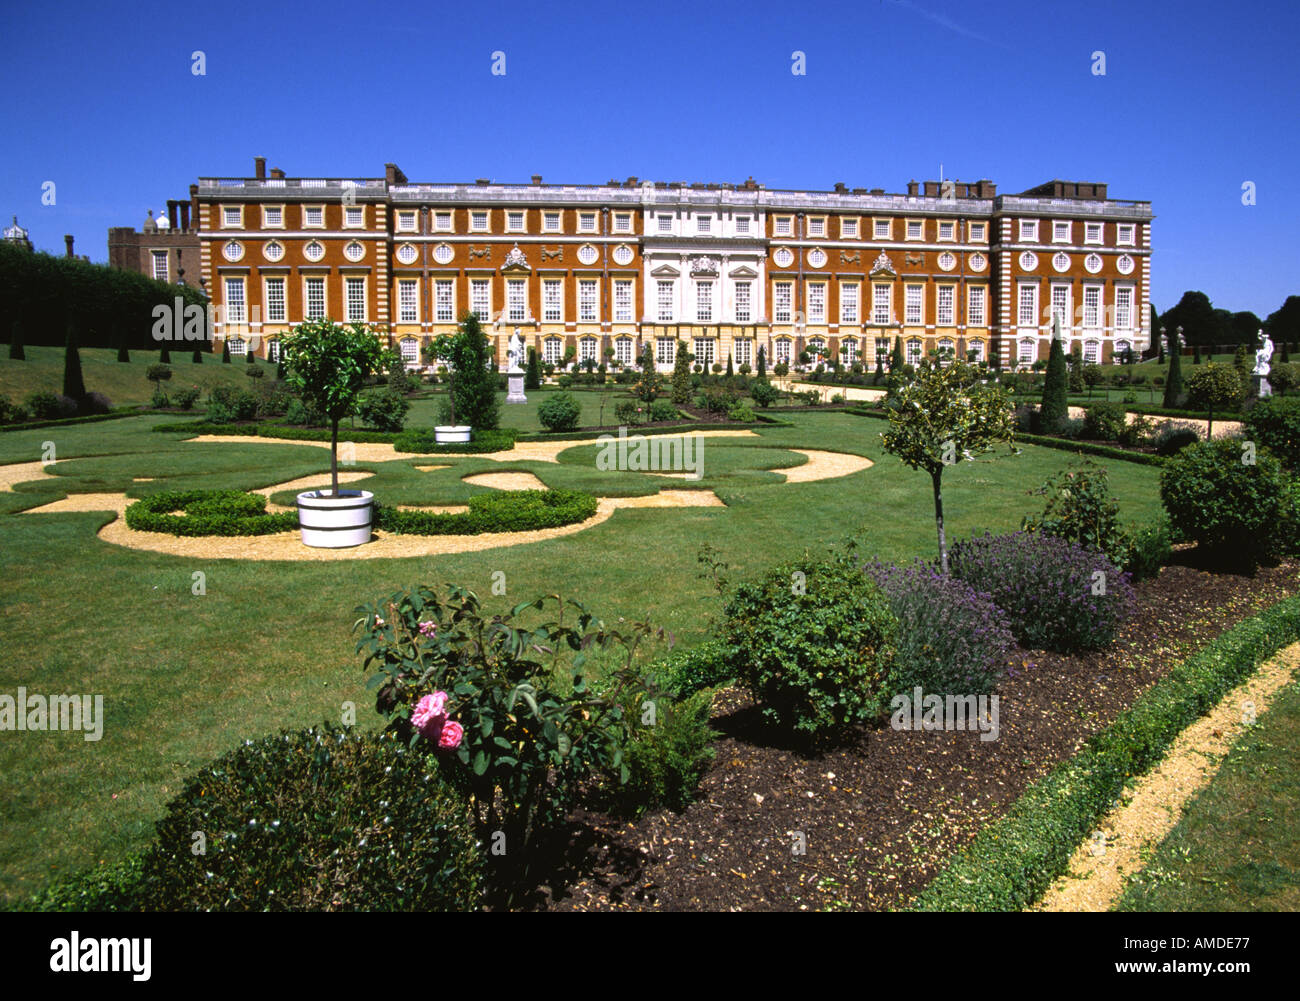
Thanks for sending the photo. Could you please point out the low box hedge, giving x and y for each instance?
(422, 441)
(207, 512)
(1013, 860)
(500, 511)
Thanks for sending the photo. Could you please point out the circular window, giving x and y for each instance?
(587, 254)
(354, 251)
(273, 251)
(233, 251)
(817, 257)
(783, 257)
(977, 262)
(1028, 261)
(1093, 263)
(1125, 265)
(1061, 262)
(406, 254)
(623, 255)
(443, 253)
(947, 261)
(314, 251)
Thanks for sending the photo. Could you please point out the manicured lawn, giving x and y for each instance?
(185, 677)
(1237, 846)
(121, 382)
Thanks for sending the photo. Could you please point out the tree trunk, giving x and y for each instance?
(451, 393)
(935, 478)
(1209, 426)
(334, 458)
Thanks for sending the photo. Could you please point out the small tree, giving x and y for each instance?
(250, 356)
(533, 374)
(123, 354)
(225, 351)
(1196, 354)
(762, 364)
(1093, 376)
(896, 361)
(74, 387)
(651, 382)
(1174, 387)
(1055, 406)
(471, 382)
(16, 342)
(730, 370)
(164, 356)
(1214, 386)
(944, 415)
(328, 365)
(197, 357)
(681, 384)
(158, 373)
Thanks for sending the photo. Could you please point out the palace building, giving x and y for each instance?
(603, 271)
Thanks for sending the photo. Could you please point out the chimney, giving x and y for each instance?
(633, 181)
(931, 189)
(277, 174)
(194, 204)
(393, 174)
(482, 180)
(68, 242)
(986, 188)
(840, 188)
(185, 216)
(172, 206)
(537, 179)
(259, 167)
(911, 188)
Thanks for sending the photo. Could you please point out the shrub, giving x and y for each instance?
(689, 671)
(1046, 586)
(666, 758)
(117, 886)
(763, 393)
(499, 511)
(187, 397)
(1104, 421)
(1146, 549)
(629, 412)
(663, 410)
(1080, 508)
(319, 819)
(1070, 427)
(226, 405)
(740, 412)
(951, 638)
(47, 406)
(717, 399)
(559, 412)
(1224, 504)
(1172, 438)
(96, 403)
(814, 643)
(384, 410)
(424, 441)
(207, 512)
(1274, 422)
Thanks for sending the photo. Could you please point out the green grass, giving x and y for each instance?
(121, 382)
(1237, 846)
(185, 677)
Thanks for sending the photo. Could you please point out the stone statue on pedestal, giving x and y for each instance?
(515, 373)
(1260, 374)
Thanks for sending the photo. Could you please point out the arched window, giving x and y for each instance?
(947, 351)
(781, 350)
(975, 351)
(849, 350)
(237, 346)
(914, 347)
(1091, 352)
(552, 350)
(1122, 349)
(273, 350)
(1028, 348)
(410, 349)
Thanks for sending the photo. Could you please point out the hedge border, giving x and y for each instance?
(115, 415)
(153, 514)
(500, 511)
(1015, 859)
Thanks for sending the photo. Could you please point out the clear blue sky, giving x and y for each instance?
(1198, 97)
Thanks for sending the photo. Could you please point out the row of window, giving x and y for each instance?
(1062, 310)
(1063, 232)
(275, 303)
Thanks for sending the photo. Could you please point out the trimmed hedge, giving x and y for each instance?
(1013, 860)
(117, 414)
(500, 511)
(422, 441)
(208, 512)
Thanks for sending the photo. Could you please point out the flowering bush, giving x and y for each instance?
(519, 726)
(1056, 594)
(951, 638)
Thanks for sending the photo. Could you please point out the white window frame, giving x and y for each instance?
(914, 230)
(816, 227)
(849, 227)
(705, 352)
(409, 348)
(267, 222)
(1059, 304)
(704, 301)
(552, 350)
(307, 211)
(443, 222)
(407, 221)
(882, 229)
(1092, 315)
(1091, 228)
(951, 227)
(1126, 234)
(624, 350)
(744, 302)
(817, 295)
(1124, 320)
(665, 301)
(743, 348)
(622, 222)
(238, 211)
(353, 311)
(516, 300)
(160, 274)
(783, 225)
(552, 222)
(235, 306)
(408, 300)
(274, 315)
(586, 222)
(1056, 235)
(704, 223)
(976, 306)
(444, 300)
(624, 300)
(1028, 231)
(480, 221)
(913, 305)
(945, 315)
(882, 302)
(588, 300)
(312, 310)
(480, 298)
(978, 232)
(913, 349)
(351, 212)
(783, 302)
(665, 350)
(1027, 351)
(1027, 307)
(519, 226)
(850, 302)
(552, 300)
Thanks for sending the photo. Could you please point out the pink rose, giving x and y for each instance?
(451, 735)
(428, 627)
(430, 712)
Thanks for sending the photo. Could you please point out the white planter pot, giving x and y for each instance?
(330, 522)
(451, 433)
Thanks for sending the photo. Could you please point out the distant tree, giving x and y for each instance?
(1196, 354)
(74, 386)
(1245, 328)
(1195, 315)
(197, 357)
(1283, 324)
(1174, 385)
(164, 357)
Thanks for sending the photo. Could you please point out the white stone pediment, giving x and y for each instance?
(743, 272)
(665, 271)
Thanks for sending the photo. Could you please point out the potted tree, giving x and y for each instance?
(328, 365)
(471, 381)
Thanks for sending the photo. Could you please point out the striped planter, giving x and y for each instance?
(330, 522)
(451, 433)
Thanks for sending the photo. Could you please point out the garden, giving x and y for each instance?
(548, 683)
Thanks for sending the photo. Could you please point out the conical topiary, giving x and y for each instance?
(1174, 383)
(197, 357)
(1056, 387)
(16, 342)
(225, 352)
(74, 387)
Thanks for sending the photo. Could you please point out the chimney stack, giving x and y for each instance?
(537, 179)
(194, 205)
(259, 167)
(277, 174)
(911, 189)
(185, 215)
(172, 214)
(840, 188)
(67, 239)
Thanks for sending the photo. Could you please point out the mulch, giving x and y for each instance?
(881, 816)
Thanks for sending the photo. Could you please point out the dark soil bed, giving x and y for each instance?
(881, 817)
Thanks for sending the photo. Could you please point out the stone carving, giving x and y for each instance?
(853, 258)
(557, 253)
(479, 252)
(515, 259)
(915, 258)
(703, 265)
(883, 263)
(515, 352)
(1263, 355)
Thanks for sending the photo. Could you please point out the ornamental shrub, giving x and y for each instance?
(499, 511)
(559, 412)
(1173, 438)
(663, 410)
(1146, 549)
(1080, 508)
(1104, 421)
(47, 406)
(226, 405)
(740, 412)
(186, 398)
(1274, 422)
(689, 671)
(951, 638)
(384, 410)
(1056, 594)
(424, 441)
(813, 641)
(762, 392)
(669, 749)
(1226, 505)
(319, 819)
(718, 399)
(207, 512)
(629, 412)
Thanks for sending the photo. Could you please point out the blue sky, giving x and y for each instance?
(1197, 99)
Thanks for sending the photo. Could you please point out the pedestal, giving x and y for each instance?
(1262, 389)
(515, 388)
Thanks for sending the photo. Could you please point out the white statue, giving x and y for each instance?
(515, 352)
(1263, 355)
